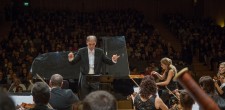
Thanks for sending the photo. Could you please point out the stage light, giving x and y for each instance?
(220, 21)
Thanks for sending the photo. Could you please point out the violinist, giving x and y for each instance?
(221, 70)
(41, 96)
(207, 84)
(221, 78)
(61, 99)
(147, 99)
(186, 101)
(168, 87)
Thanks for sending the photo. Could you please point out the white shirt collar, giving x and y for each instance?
(222, 85)
(91, 51)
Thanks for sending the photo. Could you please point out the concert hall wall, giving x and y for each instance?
(151, 8)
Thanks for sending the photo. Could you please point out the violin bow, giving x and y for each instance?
(134, 82)
(49, 106)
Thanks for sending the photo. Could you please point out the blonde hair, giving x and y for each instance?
(219, 74)
(168, 63)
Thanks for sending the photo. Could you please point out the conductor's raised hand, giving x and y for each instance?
(115, 57)
(70, 56)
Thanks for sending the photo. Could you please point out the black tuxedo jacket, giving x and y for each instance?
(100, 58)
(40, 107)
(62, 99)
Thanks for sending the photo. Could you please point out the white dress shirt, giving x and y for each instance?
(91, 57)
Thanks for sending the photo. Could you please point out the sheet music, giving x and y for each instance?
(22, 99)
(137, 89)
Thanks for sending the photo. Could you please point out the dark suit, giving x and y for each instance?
(62, 99)
(99, 59)
(40, 107)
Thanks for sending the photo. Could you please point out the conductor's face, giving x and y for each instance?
(91, 44)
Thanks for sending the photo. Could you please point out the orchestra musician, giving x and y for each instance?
(221, 70)
(221, 78)
(186, 101)
(41, 96)
(204, 102)
(39, 90)
(207, 84)
(61, 99)
(147, 98)
(168, 87)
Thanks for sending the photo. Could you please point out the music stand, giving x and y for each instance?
(105, 81)
(92, 78)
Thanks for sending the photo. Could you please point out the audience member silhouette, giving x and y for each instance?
(99, 100)
(6, 103)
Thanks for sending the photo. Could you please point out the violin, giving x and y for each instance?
(25, 106)
(131, 97)
(176, 107)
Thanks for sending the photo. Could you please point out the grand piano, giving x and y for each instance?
(117, 75)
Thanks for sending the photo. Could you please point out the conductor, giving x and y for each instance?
(91, 61)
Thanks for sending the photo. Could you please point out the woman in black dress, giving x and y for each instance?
(147, 99)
